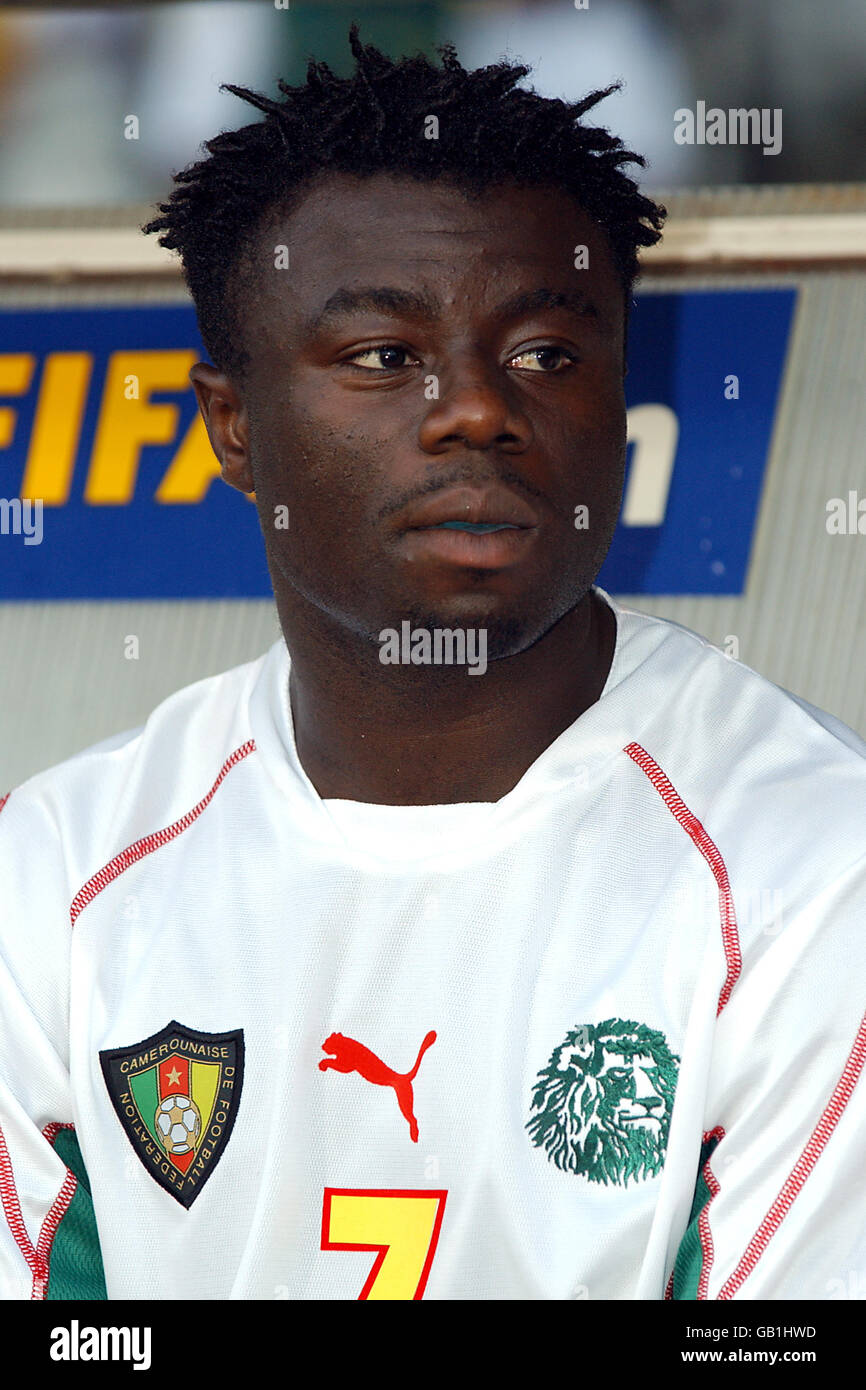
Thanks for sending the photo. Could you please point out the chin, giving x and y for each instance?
(512, 624)
(506, 634)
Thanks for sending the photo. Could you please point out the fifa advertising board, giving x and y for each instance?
(110, 488)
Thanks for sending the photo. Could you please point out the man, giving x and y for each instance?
(483, 923)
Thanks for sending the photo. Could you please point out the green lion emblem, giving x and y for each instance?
(602, 1105)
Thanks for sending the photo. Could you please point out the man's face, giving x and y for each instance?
(632, 1098)
(475, 391)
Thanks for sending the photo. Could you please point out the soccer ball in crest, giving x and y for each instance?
(179, 1124)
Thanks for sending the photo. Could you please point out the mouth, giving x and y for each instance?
(470, 545)
(475, 510)
(475, 528)
(480, 528)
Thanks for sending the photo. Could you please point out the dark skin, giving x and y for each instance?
(529, 398)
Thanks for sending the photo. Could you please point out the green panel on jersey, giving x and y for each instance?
(690, 1256)
(75, 1269)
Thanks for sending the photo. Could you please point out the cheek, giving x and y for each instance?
(322, 489)
(291, 469)
(589, 474)
(590, 428)
(604, 424)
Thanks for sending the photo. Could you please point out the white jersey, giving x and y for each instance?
(599, 1039)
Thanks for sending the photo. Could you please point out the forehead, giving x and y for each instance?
(463, 249)
(626, 1053)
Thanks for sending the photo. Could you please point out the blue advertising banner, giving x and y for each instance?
(100, 434)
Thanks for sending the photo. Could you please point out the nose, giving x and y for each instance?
(648, 1101)
(643, 1091)
(475, 409)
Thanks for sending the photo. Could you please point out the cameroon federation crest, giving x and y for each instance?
(176, 1095)
(602, 1105)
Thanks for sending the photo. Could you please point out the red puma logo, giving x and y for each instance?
(353, 1056)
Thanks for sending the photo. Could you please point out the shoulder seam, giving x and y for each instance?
(148, 843)
(711, 853)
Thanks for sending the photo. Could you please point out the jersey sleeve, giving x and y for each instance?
(49, 1244)
(779, 1208)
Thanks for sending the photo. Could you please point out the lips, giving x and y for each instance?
(470, 508)
(475, 528)
(501, 548)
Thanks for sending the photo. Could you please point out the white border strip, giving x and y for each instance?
(61, 252)
(94, 252)
(801, 237)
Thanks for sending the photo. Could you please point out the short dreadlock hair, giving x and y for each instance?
(490, 132)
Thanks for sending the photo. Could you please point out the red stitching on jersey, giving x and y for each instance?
(12, 1209)
(693, 828)
(4, 799)
(116, 866)
(803, 1167)
(55, 1215)
(37, 1259)
(705, 1235)
(669, 1291)
(50, 1132)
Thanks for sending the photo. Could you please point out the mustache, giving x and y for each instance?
(469, 474)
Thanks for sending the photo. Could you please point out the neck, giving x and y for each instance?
(433, 734)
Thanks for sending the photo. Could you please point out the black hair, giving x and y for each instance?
(489, 132)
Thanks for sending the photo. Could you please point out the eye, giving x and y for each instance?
(544, 356)
(388, 351)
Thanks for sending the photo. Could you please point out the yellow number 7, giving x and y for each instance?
(403, 1226)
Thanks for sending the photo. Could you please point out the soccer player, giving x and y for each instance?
(485, 939)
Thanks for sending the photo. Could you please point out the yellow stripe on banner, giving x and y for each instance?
(16, 373)
(205, 1078)
(129, 419)
(57, 427)
(192, 470)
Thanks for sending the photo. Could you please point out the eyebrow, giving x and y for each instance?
(382, 299)
(533, 300)
(388, 299)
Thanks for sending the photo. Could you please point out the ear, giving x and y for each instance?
(227, 423)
